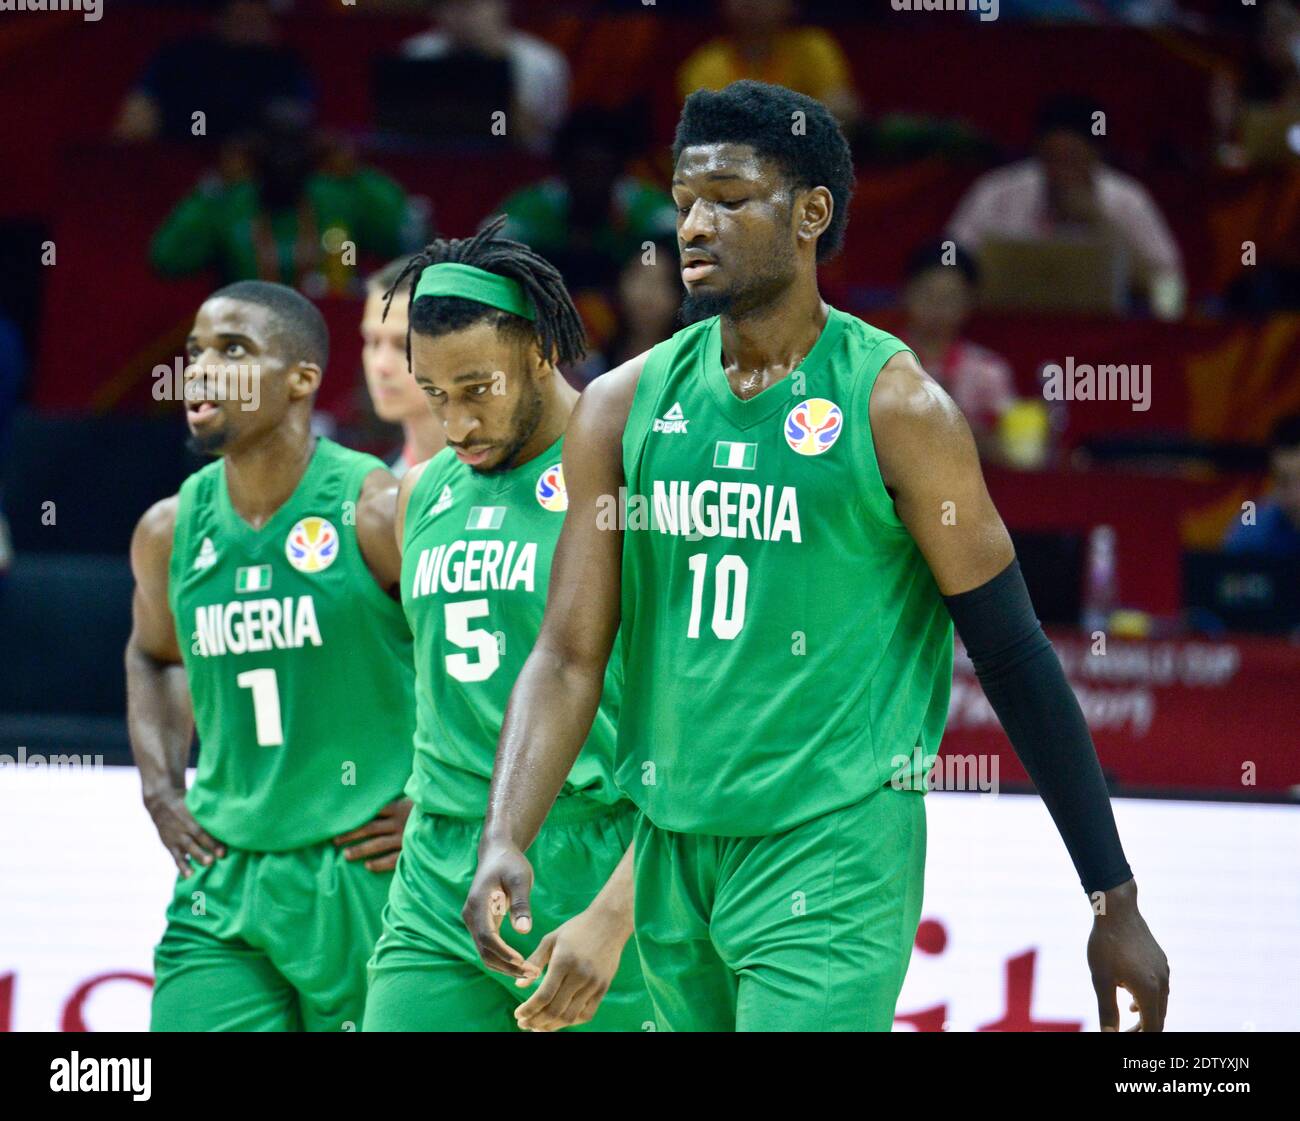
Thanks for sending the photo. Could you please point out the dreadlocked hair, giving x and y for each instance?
(557, 330)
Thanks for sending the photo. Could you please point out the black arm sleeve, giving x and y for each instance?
(1024, 682)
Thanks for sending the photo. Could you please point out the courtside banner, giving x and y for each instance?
(1194, 713)
(84, 884)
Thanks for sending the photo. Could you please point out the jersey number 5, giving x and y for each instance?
(730, 586)
(484, 642)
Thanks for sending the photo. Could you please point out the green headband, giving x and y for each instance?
(471, 283)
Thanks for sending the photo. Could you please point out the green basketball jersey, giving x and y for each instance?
(476, 561)
(785, 645)
(299, 664)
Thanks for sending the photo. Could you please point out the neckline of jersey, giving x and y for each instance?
(747, 412)
(282, 511)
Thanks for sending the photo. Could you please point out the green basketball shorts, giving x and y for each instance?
(806, 930)
(270, 941)
(426, 974)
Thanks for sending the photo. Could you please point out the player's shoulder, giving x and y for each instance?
(356, 476)
(907, 404)
(411, 479)
(203, 477)
(864, 334)
(656, 361)
(607, 400)
(160, 519)
(151, 543)
(378, 495)
(350, 458)
(688, 335)
(434, 468)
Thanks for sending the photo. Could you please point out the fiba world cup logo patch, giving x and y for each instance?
(550, 490)
(813, 426)
(312, 545)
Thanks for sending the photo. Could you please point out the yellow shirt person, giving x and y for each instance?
(806, 59)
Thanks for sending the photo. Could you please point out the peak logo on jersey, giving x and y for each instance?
(813, 426)
(443, 503)
(550, 489)
(312, 545)
(672, 421)
(207, 555)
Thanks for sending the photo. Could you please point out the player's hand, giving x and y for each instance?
(380, 840)
(502, 883)
(1123, 954)
(183, 837)
(580, 958)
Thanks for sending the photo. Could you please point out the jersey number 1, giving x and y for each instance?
(266, 705)
(730, 586)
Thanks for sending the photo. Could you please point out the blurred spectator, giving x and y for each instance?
(1276, 528)
(1257, 118)
(1065, 191)
(540, 73)
(233, 74)
(283, 208)
(762, 44)
(394, 393)
(648, 297)
(937, 300)
(592, 217)
(1253, 110)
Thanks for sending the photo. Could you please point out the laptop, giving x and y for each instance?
(441, 101)
(1243, 592)
(1051, 274)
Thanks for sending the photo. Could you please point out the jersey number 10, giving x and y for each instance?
(730, 586)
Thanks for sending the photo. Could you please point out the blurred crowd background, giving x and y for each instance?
(1074, 183)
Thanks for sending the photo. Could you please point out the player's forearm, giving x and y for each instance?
(550, 714)
(614, 901)
(1023, 680)
(159, 721)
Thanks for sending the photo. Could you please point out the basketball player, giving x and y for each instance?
(267, 583)
(490, 322)
(393, 392)
(816, 513)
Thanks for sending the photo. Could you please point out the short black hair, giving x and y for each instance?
(1068, 112)
(763, 116)
(933, 254)
(557, 330)
(1286, 433)
(299, 324)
